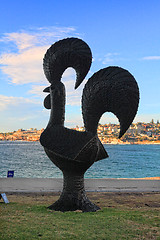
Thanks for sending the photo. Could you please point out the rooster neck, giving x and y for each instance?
(57, 115)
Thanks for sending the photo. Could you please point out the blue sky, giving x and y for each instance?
(119, 33)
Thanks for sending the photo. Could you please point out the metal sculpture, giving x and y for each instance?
(111, 89)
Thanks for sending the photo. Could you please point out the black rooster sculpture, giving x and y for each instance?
(111, 89)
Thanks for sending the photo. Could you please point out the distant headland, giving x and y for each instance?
(138, 133)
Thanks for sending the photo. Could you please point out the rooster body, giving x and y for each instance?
(111, 89)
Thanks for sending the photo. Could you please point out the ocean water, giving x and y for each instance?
(28, 159)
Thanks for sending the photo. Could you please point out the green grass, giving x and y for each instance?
(34, 221)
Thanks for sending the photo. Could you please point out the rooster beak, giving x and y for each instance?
(47, 89)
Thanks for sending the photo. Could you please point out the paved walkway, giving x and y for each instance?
(56, 184)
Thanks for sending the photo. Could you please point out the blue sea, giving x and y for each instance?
(29, 160)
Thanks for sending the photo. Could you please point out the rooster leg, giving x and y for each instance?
(73, 196)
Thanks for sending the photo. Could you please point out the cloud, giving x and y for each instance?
(73, 121)
(21, 40)
(24, 67)
(37, 90)
(151, 58)
(110, 57)
(6, 101)
(73, 97)
(36, 36)
(24, 64)
(147, 117)
(23, 118)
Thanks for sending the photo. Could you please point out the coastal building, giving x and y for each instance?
(108, 133)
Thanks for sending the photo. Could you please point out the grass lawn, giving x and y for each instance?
(122, 216)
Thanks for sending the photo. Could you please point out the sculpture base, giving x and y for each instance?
(73, 196)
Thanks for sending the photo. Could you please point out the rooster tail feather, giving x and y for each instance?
(111, 89)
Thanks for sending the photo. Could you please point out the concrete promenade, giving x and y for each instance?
(55, 185)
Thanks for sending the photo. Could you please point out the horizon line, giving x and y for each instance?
(34, 128)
